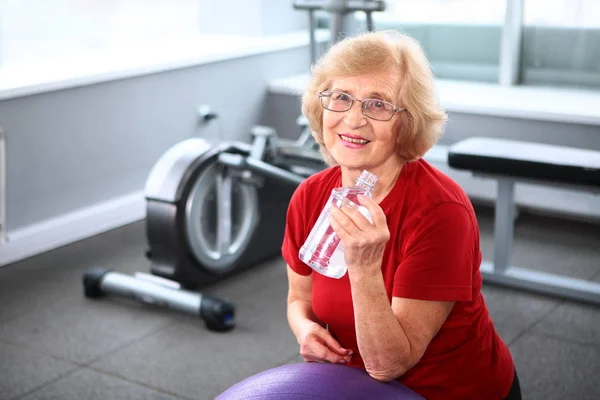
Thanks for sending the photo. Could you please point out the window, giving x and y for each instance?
(561, 43)
(463, 12)
(33, 30)
(461, 37)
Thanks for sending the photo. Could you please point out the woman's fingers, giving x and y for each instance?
(324, 349)
(352, 217)
(321, 353)
(341, 224)
(364, 243)
(335, 346)
(354, 229)
(376, 212)
(350, 220)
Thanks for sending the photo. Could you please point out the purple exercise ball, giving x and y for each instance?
(316, 381)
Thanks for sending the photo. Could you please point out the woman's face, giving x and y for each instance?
(354, 140)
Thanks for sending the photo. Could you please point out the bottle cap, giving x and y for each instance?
(367, 178)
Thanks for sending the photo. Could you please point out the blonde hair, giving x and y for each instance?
(418, 127)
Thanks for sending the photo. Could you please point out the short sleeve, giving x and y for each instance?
(439, 256)
(296, 231)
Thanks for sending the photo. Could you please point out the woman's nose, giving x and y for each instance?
(354, 117)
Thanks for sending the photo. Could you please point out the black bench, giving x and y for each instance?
(510, 161)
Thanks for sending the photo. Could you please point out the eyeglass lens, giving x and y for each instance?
(372, 108)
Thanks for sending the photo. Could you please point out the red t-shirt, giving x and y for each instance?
(433, 254)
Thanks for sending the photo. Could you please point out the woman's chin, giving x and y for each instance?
(351, 164)
(348, 158)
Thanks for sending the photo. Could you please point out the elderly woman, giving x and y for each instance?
(410, 307)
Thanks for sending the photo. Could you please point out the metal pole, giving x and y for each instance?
(504, 224)
(512, 44)
(336, 9)
(2, 187)
(370, 24)
(313, 40)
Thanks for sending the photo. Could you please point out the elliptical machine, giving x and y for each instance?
(215, 209)
(212, 210)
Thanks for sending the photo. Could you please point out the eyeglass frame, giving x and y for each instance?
(328, 93)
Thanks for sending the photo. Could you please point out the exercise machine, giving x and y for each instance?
(212, 210)
(339, 17)
(218, 314)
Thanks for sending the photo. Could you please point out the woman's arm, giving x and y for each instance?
(392, 339)
(299, 305)
(316, 343)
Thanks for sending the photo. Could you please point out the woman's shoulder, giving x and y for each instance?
(309, 190)
(435, 187)
(427, 192)
(328, 178)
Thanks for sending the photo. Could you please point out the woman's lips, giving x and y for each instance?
(353, 141)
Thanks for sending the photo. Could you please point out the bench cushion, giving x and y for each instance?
(527, 160)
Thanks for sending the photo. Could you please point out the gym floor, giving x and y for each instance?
(57, 344)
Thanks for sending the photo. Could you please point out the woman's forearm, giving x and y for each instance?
(299, 314)
(383, 344)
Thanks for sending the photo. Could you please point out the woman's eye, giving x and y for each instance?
(340, 96)
(376, 104)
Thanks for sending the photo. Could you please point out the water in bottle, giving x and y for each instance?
(323, 250)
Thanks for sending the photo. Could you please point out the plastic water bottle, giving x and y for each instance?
(323, 250)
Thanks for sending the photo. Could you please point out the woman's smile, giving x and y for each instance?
(353, 141)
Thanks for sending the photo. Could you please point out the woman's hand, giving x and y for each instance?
(364, 243)
(317, 345)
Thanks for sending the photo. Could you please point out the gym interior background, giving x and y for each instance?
(93, 93)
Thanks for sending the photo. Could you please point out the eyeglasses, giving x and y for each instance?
(376, 109)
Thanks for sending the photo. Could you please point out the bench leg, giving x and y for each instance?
(504, 224)
(554, 285)
(501, 273)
